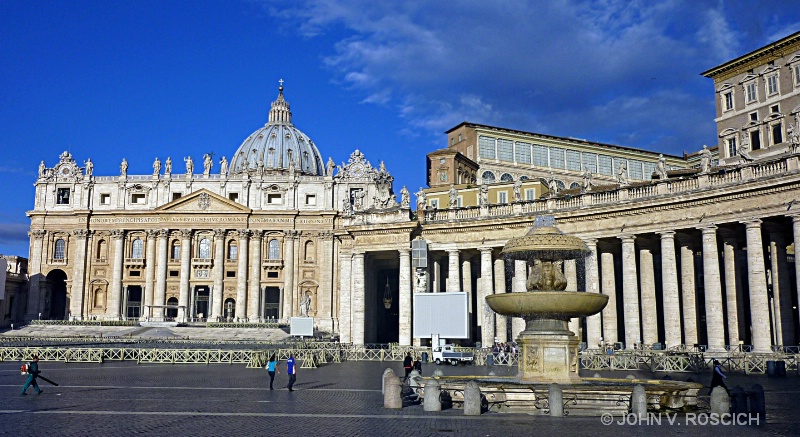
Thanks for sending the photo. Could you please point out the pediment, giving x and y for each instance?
(724, 86)
(794, 59)
(203, 202)
(748, 78)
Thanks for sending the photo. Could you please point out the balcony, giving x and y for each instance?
(272, 264)
(134, 263)
(201, 263)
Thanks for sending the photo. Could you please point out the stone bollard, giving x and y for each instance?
(438, 373)
(472, 399)
(393, 392)
(738, 401)
(720, 401)
(555, 397)
(758, 406)
(386, 373)
(432, 392)
(489, 360)
(639, 401)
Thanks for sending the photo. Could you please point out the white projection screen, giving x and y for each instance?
(301, 326)
(442, 314)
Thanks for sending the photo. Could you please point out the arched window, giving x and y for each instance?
(274, 249)
(574, 186)
(488, 177)
(137, 249)
(233, 251)
(524, 178)
(102, 250)
(172, 311)
(560, 184)
(205, 249)
(60, 249)
(506, 178)
(176, 250)
(308, 256)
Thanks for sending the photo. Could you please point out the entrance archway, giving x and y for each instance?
(201, 301)
(229, 309)
(133, 308)
(172, 311)
(272, 303)
(56, 302)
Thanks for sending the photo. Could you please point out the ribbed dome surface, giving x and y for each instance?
(277, 144)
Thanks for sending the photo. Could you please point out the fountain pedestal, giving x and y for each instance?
(549, 353)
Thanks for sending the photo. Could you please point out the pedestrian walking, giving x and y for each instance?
(718, 377)
(33, 373)
(418, 365)
(408, 364)
(291, 370)
(272, 367)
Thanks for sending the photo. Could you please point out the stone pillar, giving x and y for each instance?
(326, 307)
(466, 284)
(518, 285)
(404, 291)
(781, 294)
(669, 284)
(757, 280)
(485, 288)
(453, 273)
(161, 276)
(609, 288)
(254, 293)
(288, 273)
(149, 273)
(78, 274)
(345, 298)
(437, 276)
(186, 273)
(594, 329)
(647, 282)
(796, 235)
(241, 275)
(630, 292)
(731, 285)
(715, 321)
(688, 291)
(115, 294)
(571, 273)
(501, 328)
(35, 273)
(358, 303)
(218, 275)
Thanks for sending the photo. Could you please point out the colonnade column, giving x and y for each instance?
(358, 303)
(630, 291)
(781, 293)
(609, 288)
(571, 273)
(731, 285)
(453, 271)
(186, 273)
(404, 291)
(34, 272)
(466, 281)
(149, 273)
(78, 274)
(345, 298)
(254, 294)
(485, 315)
(669, 286)
(241, 275)
(218, 275)
(115, 294)
(796, 235)
(501, 328)
(518, 285)
(594, 329)
(288, 273)
(688, 292)
(161, 277)
(757, 280)
(715, 321)
(647, 283)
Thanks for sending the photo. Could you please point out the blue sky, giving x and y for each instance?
(140, 79)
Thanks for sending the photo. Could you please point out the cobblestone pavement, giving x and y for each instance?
(123, 398)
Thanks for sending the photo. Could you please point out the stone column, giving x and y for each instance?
(781, 294)
(326, 318)
(437, 276)
(288, 273)
(115, 294)
(486, 287)
(594, 328)
(571, 273)
(254, 294)
(358, 303)
(241, 274)
(609, 288)
(149, 273)
(404, 292)
(345, 297)
(669, 285)
(161, 276)
(647, 282)
(466, 280)
(453, 273)
(688, 291)
(218, 275)
(731, 292)
(501, 321)
(715, 321)
(79, 274)
(757, 280)
(186, 274)
(35, 273)
(518, 285)
(796, 236)
(630, 291)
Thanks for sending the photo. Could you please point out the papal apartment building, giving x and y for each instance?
(690, 250)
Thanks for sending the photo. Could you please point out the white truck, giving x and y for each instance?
(447, 354)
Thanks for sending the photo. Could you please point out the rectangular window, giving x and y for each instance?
(460, 201)
(649, 169)
(62, 196)
(590, 161)
(727, 101)
(486, 147)
(530, 194)
(502, 197)
(522, 152)
(750, 92)
(772, 84)
(274, 199)
(755, 140)
(176, 196)
(230, 274)
(435, 203)
(105, 199)
(796, 70)
(753, 116)
(731, 143)
(605, 165)
(138, 198)
(311, 199)
(557, 157)
(573, 160)
(775, 109)
(617, 163)
(777, 133)
(233, 197)
(505, 150)
(635, 169)
(135, 273)
(540, 156)
(272, 275)
(173, 274)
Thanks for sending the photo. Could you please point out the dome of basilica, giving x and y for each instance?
(278, 145)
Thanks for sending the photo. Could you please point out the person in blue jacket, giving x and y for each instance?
(33, 372)
(291, 370)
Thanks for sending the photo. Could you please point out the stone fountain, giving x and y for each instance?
(549, 350)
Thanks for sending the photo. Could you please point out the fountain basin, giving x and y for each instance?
(559, 305)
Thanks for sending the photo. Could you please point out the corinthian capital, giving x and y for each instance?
(80, 233)
(37, 233)
(117, 234)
